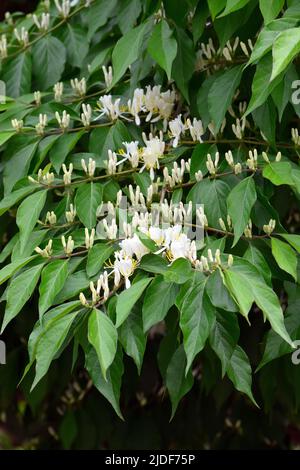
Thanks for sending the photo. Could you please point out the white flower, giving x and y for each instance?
(180, 247)
(157, 235)
(108, 75)
(196, 129)
(154, 149)
(136, 105)
(152, 97)
(109, 108)
(134, 246)
(124, 266)
(132, 153)
(176, 127)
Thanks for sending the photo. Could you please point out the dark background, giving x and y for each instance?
(16, 5)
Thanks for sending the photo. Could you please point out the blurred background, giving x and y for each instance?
(16, 5)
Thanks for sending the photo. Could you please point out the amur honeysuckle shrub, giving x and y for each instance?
(150, 175)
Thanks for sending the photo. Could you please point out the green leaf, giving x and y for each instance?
(213, 194)
(267, 37)
(218, 103)
(50, 342)
(127, 50)
(98, 14)
(196, 318)
(285, 256)
(247, 285)
(62, 147)
(255, 256)
(285, 49)
(218, 293)
(179, 271)
(19, 292)
(17, 166)
(28, 214)
(10, 269)
(262, 85)
(14, 197)
(184, 63)
(127, 299)
(133, 338)
(98, 254)
(128, 13)
(17, 75)
(102, 334)
(177, 382)
(49, 57)
(215, 6)
(74, 284)
(275, 346)
(224, 336)
(199, 157)
(54, 276)
(88, 199)
(5, 136)
(270, 10)
(239, 203)
(240, 373)
(159, 298)
(76, 43)
(279, 173)
(162, 46)
(111, 387)
(293, 240)
(233, 5)
(153, 264)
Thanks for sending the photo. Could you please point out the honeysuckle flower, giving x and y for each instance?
(89, 238)
(67, 174)
(22, 37)
(71, 214)
(43, 22)
(90, 168)
(109, 108)
(42, 124)
(177, 128)
(17, 124)
(270, 227)
(151, 99)
(155, 147)
(51, 218)
(132, 153)
(79, 86)
(195, 128)
(58, 91)
(108, 75)
(179, 247)
(64, 120)
(3, 47)
(69, 245)
(134, 247)
(86, 115)
(47, 251)
(63, 7)
(111, 230)
(124, 266)
(136, 105)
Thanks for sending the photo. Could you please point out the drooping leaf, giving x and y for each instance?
(162, 46)
(159, 298)
(102, 334)
(54, 276)
(239, 372)
(239, 203)
(19, 292)
(177, 381)
(49, 57)
(285, 256)
(128, 298)
(28, 214)
(88, 199)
